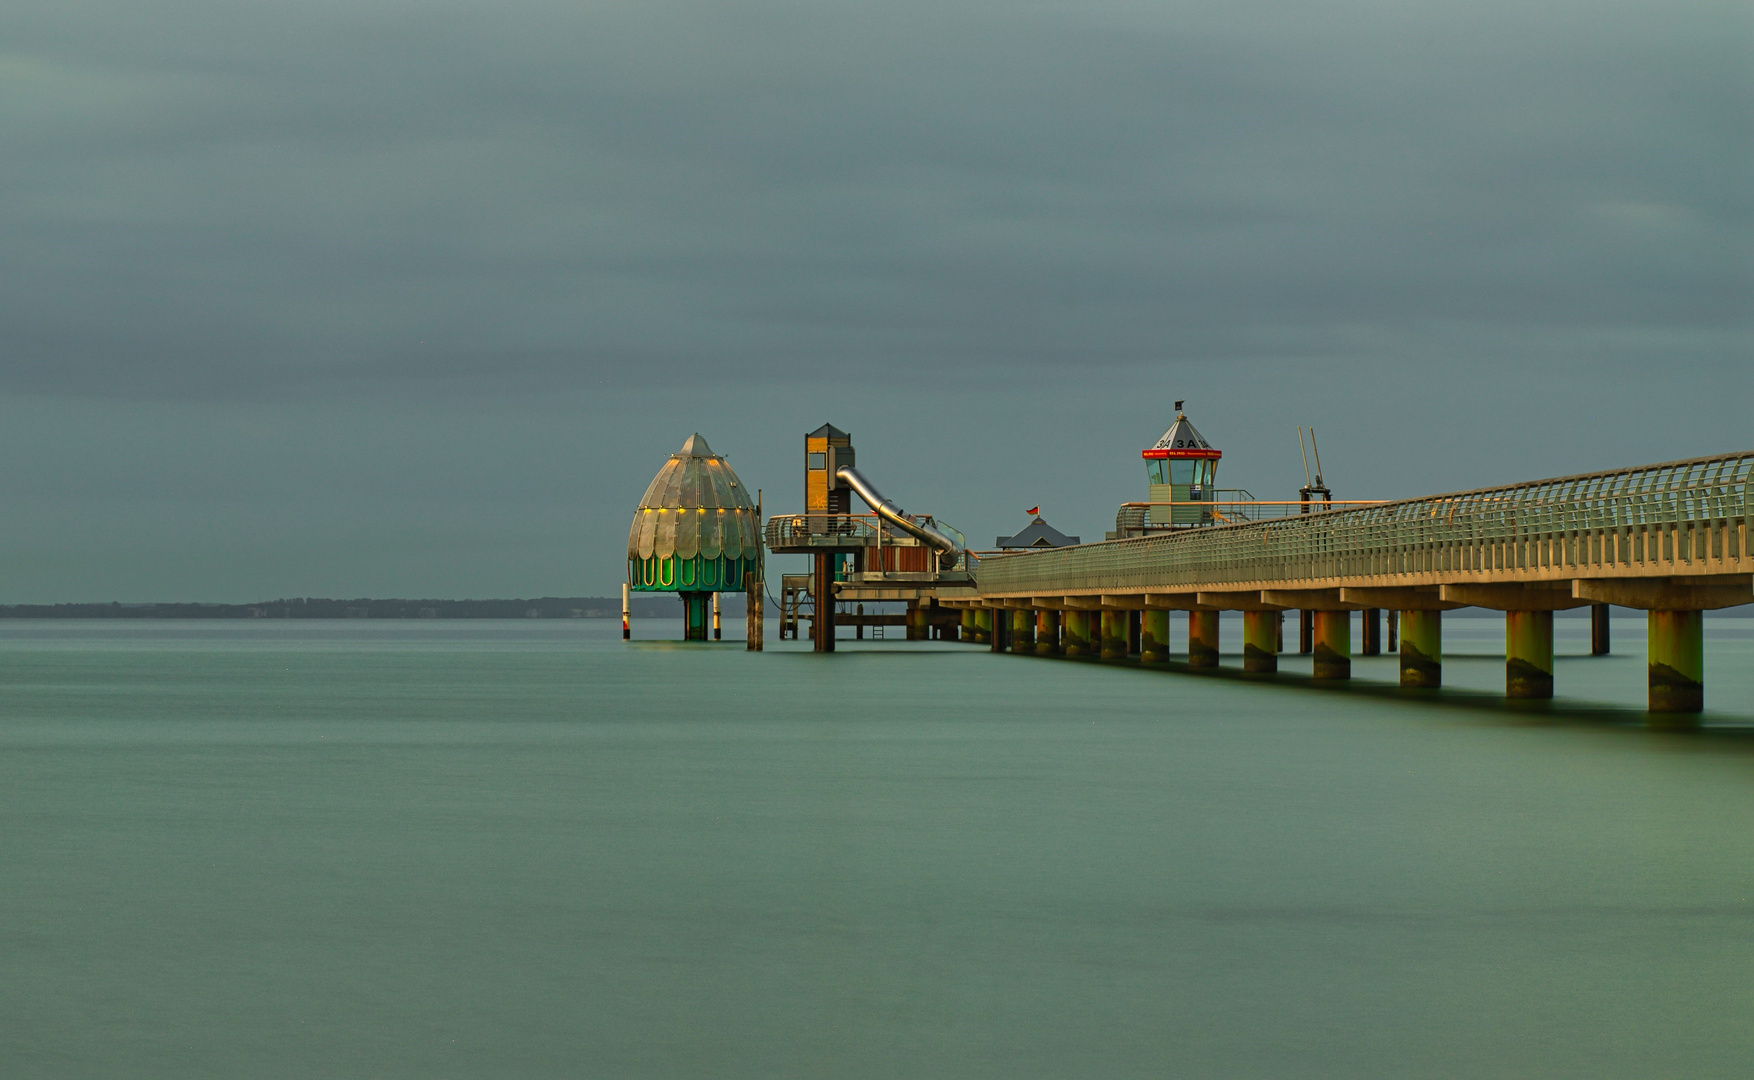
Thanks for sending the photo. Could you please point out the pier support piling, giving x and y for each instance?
(1260, 646)
(983, 626)
(1422, 649)
(718, 634)
(1202, 639)
(1154, 637)
(822, 604)
(694, 615)
(1047, 633)
(1022, 630)
(626, 611)
(1677, 661)
(1305, 632)
(1528, 654)
(1331, 633)
(1370, 626)
(1394, 621)
(1077, 633)
(1114, 635)
(755, 611)
(1599, 630)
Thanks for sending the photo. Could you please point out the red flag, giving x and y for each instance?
(1034, 510)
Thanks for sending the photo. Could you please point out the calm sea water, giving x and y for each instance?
(468, 849)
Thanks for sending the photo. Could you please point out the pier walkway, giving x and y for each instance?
(1671, 539)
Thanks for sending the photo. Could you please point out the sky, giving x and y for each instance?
(412, 298)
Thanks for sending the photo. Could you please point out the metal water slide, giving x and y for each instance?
(949, 549)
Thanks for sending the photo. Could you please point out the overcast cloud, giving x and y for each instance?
(412, 298)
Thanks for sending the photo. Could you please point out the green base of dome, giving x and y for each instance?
(699, 574)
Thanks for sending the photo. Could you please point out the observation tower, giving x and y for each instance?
(1183, 469)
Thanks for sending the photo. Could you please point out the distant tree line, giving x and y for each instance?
(645, 606)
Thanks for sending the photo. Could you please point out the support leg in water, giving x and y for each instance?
(1260, 644)
(1114, 635)
(1422, 649)
(1528, 654)
(1677, 663)
(1202, 639)
(1154, 637)
(1332, 644)
(1047, 633)
(1599, 630)
(1077, 624)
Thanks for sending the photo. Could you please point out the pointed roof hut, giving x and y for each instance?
(1037, 534)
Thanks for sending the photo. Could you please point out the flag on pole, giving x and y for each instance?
(1034, 510)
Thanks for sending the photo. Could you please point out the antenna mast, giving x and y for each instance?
(1310, 489)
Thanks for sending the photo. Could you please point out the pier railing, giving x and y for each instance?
(1233, 511)
(793, 531)
(1688, 517)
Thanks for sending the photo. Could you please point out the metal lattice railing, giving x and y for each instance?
(1681, 517)
(791, 530)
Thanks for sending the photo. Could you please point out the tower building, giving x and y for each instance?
(1183, 468)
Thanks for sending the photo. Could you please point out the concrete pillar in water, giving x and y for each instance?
(1260, 645)
(1677, 661)
(859, 627)
(717, 634)
(1154, 637)
(694, 616)
(1331, 642)
(997, 625)
(1371, 627)
(626, 605)
(1598, 629)
(1422, 648)
(968, 625)
(1135, 633)
(1394, 621)
(1077, 632)
(913, 621)
(1022, 630)
(1305, 632)
(1279, 634)
(1202, 639)
(983, 626)
(1114, 635)
(1528, 654)
(1047, 632)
